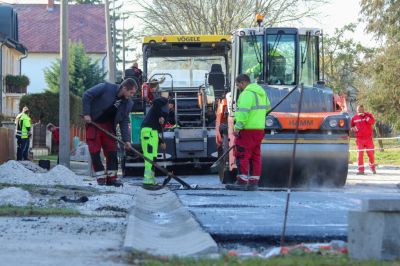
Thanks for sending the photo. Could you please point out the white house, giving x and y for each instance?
(11, 54)
(39, 30)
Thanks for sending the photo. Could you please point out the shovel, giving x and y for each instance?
(163, 170)
(215, 165)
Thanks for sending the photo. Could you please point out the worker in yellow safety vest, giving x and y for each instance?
(23, 133)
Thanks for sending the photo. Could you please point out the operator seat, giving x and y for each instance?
(216, 78)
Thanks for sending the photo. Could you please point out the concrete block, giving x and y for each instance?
(160, 225)
(374, 235)
(381, 205)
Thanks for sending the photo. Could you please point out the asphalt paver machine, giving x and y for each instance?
(194, 70)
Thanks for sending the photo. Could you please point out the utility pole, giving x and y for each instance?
(64, 151)
(123, 44)
(331, 60)
(114, 41)
(111, 65)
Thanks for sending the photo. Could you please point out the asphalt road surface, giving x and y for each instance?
(314, 215)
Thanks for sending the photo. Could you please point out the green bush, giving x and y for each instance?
(45, 107)
(17, 81)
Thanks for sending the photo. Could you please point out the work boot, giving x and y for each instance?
(113, 181)
(101, 180)
(152, 186)
(252, 185)
(240, 184)
(360, 173)
(150, 183)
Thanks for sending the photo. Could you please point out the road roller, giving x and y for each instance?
(286, 62)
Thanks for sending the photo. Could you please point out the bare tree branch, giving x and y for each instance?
(220, 16)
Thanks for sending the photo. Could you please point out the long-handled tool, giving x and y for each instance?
(163, 170)
(215, 165)
(164, 155)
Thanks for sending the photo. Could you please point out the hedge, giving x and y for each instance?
(45, 107)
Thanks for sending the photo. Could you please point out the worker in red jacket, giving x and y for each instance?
(361, 125)
(55, 132)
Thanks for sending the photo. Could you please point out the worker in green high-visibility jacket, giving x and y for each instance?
(250, 115)
(23, 133)
(149, 136)
(276, 68)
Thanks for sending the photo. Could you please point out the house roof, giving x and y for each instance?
(39, 29)
(10, 43)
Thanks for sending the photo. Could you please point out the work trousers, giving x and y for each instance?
(368, 144)
(149, 141)
(248, 147)
(22, 148)
(97, 140)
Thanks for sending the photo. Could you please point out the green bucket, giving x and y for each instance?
(136, 121)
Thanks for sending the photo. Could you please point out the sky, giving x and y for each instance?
(339, 13)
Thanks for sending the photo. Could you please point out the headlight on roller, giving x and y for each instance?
(269, 122)
(333, 123)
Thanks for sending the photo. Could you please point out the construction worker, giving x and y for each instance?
(361, 125)
(150, 90)
(254, 71)
(23, 133)
(170, 120)
(135, 73)
(149, 137)
(55, 132)
(252, 106)
(108, 105)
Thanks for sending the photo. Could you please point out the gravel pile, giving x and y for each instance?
(14, 196)
(33, 167)
(13, 172)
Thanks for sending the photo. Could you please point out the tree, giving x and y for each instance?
(116, 16)
(84, 73)
(121, 33)
(382, 17)
(220, 16)
(380, 90)
(343, 59)
(379, 86)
